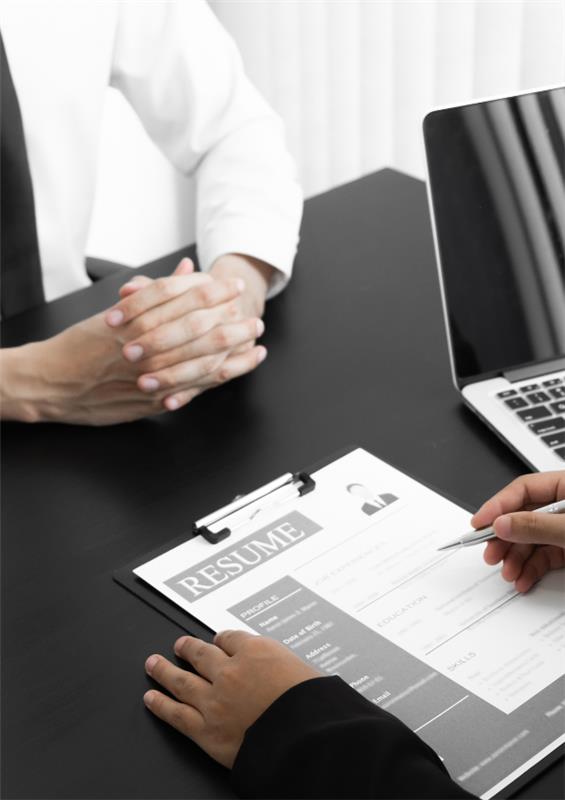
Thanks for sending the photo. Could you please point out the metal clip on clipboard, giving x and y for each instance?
(221, 523)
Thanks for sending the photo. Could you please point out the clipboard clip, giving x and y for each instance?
(222, 523)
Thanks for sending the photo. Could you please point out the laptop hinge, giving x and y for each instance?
(534, 370)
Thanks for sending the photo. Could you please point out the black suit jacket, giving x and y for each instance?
(322, 739)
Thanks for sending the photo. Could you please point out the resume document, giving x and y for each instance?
(350, 579)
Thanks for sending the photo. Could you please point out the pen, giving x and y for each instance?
(484, 534)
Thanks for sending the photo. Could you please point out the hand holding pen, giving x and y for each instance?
(529, 544)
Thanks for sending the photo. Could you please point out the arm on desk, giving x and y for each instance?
(286, 731)
(76, 377)
(81, 375)
(323, 739)
(182, 74)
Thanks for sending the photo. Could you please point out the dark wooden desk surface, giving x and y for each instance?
(357, 355)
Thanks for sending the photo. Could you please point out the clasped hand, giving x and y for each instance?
(162, 344)
(185, 333)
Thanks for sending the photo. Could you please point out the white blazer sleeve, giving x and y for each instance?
(183, 75)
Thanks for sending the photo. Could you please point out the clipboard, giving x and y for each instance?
(218, 526)
(208, 528)
(189, 623)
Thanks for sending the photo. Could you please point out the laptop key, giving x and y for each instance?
(552, 382)
(516, 402)
(531, 387)
(536, 412)
(559, 392)
(547, 425)
(554, 439)
(560, 452)
(507, 393)
(538, 397)
(558, 407)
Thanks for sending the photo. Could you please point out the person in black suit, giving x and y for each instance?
(287, 731)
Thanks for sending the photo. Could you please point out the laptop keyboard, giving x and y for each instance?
(540, 406)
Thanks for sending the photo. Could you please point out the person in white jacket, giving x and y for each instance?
(165, 341)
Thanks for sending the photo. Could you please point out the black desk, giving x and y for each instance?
(357, 355)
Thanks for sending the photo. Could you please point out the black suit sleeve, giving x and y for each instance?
(322, 739)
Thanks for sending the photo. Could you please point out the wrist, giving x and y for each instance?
(20, 393)
(256, 274)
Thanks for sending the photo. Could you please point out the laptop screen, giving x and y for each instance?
(497, 182)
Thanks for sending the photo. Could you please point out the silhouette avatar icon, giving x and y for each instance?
(371, 502)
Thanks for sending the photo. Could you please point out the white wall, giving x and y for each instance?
(351, 78)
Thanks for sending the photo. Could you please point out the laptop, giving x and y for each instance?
(496, 188)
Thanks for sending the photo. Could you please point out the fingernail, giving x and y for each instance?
(262, 355)
(172, 403)
(503, 527)
(115, 317)
(149, 384)
(148, 699)
(185, 266)
(260, 327)
(150, 663)
(179, 643)
(239, 284)
(133, 352)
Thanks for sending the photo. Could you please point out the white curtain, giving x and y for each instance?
(352, 80)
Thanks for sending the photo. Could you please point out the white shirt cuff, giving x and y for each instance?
(248, 239)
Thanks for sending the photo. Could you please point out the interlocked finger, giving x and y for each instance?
(157, 299)
(189, 374)
(180, 321)
(180, 399)
(198, 334)
(233, 367)
(157, 292)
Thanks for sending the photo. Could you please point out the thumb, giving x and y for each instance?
(528, 527)
(185, 267)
